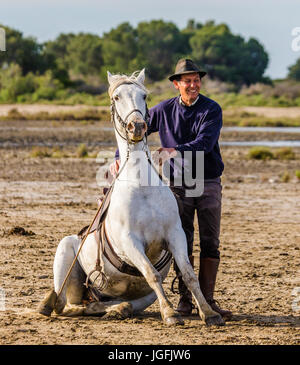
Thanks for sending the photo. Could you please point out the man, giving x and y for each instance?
(192, 122)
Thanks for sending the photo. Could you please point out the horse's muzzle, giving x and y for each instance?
(136, 130)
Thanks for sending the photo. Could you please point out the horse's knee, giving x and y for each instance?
(67, 245)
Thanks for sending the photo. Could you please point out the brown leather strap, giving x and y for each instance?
(115, 260)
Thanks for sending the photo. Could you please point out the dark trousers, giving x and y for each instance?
(208, 209)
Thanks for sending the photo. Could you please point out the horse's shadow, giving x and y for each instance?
(242, 319)
(267, 320)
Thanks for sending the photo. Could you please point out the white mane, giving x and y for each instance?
(117, 80)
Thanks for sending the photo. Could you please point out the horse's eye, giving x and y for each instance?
(116, 97)
(144, 96)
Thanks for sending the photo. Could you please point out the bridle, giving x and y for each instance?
(123, 123)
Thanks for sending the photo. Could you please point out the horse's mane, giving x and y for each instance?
(118, 80)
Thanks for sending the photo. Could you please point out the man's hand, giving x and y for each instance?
(163, 154)
(114, 167)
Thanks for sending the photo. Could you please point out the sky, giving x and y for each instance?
(271, 22)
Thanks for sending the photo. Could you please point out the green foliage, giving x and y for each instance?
(18, 88)
(82, 151)
(23, 51)
(297, 173)
(294, 71)
(285, 153)
(72, 68)
(13, 84)
(228, 57)
(265, 153)
(260, 153)
(159, 47)
(40, 152)
(285, 177)
(119, 49)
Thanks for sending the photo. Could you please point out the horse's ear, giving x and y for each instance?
(109, 76)
(141, 76)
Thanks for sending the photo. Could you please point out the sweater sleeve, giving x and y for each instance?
(153, 122)
(208, 133)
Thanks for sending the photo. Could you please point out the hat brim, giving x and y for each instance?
(173, 77)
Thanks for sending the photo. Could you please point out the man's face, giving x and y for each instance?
(189, 87)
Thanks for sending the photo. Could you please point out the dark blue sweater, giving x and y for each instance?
(194, 128)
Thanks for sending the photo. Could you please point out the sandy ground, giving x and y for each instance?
(50, 108)
(50, 198)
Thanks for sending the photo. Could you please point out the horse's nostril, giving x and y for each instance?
(130, 126)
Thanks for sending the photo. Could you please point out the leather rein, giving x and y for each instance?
(104, 246)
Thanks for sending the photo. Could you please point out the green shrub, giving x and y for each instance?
(285, 177)
(82, 151)
(284, 153)
(260, 153)
(297, 173)
(40, 152)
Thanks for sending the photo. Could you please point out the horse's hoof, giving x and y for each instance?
(216, 320)
(113, 315)
(174, 321)
(47, 305)
(45, 310)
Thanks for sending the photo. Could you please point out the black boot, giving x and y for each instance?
(207, 279)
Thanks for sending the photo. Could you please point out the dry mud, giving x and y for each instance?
(50, 198)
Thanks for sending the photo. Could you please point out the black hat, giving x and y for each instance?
(186, 66)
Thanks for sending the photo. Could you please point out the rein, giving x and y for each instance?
(99, 264)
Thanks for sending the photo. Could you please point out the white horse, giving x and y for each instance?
(142, 225)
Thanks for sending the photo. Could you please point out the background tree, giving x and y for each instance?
(84, 55)
(160, 44)
(294, 71)
(55, 57)
(23, 51)
(119, 50)
(228, 57)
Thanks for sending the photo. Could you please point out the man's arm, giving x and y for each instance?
(207, 135)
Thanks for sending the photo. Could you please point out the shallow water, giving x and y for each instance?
(261, 143)
(262, 129)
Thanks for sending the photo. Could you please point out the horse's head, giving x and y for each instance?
(128, 104)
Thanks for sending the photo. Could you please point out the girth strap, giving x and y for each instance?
(116, 261)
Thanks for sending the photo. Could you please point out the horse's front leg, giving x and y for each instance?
(178, 247)
(137, 255)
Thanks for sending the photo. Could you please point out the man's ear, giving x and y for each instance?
(176, 84)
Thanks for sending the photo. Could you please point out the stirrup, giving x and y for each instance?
(91, 284)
